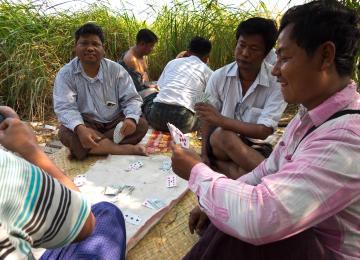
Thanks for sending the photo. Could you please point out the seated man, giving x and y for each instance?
(181, 81)
(41, 207)
(247, 103)
(135, 61)
(303, 202)
(92, 95)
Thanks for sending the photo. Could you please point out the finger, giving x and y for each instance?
(192, 222)
(4, 124)
(202, 222)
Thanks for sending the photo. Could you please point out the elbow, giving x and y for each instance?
(87, 229)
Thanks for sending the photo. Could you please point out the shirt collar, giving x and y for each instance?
(333, 104)
(262, 77)
(79, 70)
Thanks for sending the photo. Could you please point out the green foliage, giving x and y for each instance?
(34, 46)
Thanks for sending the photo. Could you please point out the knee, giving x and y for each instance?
(221, 139)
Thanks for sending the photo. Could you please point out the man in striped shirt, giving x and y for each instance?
(41, 207)
(303, 202)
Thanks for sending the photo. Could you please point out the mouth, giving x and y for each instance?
(282, 83)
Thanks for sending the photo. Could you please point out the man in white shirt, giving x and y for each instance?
(181, 81)
(246, 103)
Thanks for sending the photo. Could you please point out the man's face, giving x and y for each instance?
(250, 52)
(89, 49)
(147, 48)
(298, 73)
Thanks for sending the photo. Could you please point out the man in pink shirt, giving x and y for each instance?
(303, 202)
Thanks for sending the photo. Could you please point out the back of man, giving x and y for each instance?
(180, 83)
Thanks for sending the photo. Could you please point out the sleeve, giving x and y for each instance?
(313, 186)
(129, 100)
(212, 88)
(273, 108)
(65, 105)
(39, 209)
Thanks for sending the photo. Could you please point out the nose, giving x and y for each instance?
(276, 70)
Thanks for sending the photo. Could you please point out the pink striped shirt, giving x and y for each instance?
(318, 185)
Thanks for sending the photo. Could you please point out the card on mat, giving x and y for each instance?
(171, 181)
(132, 218)
(79, 180)
(135, 166)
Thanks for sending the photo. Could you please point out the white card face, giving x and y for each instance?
(111, 191)
(135, 166)
(132, 218)
(171, 181)
(79, 180)
(165, 165)
(178, 137)
(147, 203)
(117, 136)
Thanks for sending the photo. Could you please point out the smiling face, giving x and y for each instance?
(301, 76)
(250, 52)
(89, 49)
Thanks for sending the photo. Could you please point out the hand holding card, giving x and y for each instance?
(178, 137)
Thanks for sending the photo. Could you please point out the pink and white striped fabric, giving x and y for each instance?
(318, 185)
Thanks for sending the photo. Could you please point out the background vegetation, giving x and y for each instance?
(36, 43)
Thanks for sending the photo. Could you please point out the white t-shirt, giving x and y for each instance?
(182, 80)
(263, 103)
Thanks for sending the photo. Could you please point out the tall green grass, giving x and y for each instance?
(35, 44)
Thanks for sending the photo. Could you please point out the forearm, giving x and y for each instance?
(206, 130)
(257, 131)
(40, 159)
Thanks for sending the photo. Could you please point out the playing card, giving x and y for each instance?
(135, 166)
(158, 204)
(79, 180)
(147, 203)
(178, 137)
(165, 165)
(171, 181)
(112, 191)
(117, 136)
(202, 98)
(132, 218)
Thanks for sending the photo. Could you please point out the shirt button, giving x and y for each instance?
(288, 157)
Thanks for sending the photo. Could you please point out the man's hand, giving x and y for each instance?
(154, 86)
(8, 112)
(208, 113)
(198, 221)
(88, 137)
(128, 127)
(183, 160)
(17, 137)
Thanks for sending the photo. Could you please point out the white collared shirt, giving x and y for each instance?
(182, 80)
(263, 103)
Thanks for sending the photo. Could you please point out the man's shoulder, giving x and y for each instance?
(112, 66)
(267, 77)
(70, 67)
(223, 71)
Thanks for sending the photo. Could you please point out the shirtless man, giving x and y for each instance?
(135, 62)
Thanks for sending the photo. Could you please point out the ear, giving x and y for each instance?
(327, 52)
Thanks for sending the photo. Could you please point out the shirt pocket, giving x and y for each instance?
(254, 114)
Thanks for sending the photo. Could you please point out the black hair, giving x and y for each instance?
(320, 21)
(147, 36)
(89, 28)
(257, 25)
(200, 46)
